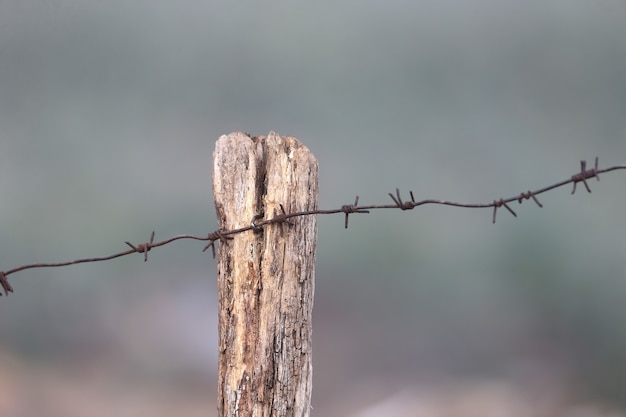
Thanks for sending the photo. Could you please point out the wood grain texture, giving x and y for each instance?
(265, 277)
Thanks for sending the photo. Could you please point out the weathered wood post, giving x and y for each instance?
(265, 277)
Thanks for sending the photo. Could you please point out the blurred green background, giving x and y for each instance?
(109, 112)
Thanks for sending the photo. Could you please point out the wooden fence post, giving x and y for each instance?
(265, 277)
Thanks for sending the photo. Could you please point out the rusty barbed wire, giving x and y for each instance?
(256, 224)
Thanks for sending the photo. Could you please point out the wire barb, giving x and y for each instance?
(221, 235)
(528, 195)
(4, 282)
(584, 174)
(351, 208)
(406, 205)
(281, 218)
(497, 205)
(143, 247)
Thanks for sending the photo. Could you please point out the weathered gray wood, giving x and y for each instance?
(265, 278)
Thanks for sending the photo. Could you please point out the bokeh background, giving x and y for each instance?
(109, 111)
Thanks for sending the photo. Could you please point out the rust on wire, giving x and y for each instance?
(257, 224)
(528, 195)
(497, 205)
(143, 247)
(584, 174)
(351, 208)
(220, 235)
(406, 205)
(282, 218)
(5, 284)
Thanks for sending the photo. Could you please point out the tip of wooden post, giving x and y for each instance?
(239, 136)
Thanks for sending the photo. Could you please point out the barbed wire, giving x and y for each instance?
(223, 236)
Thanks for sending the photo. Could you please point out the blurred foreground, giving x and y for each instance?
(96, 389)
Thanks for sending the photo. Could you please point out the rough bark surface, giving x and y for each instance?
(265, 277)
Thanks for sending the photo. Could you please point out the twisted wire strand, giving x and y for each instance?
(257, 224)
